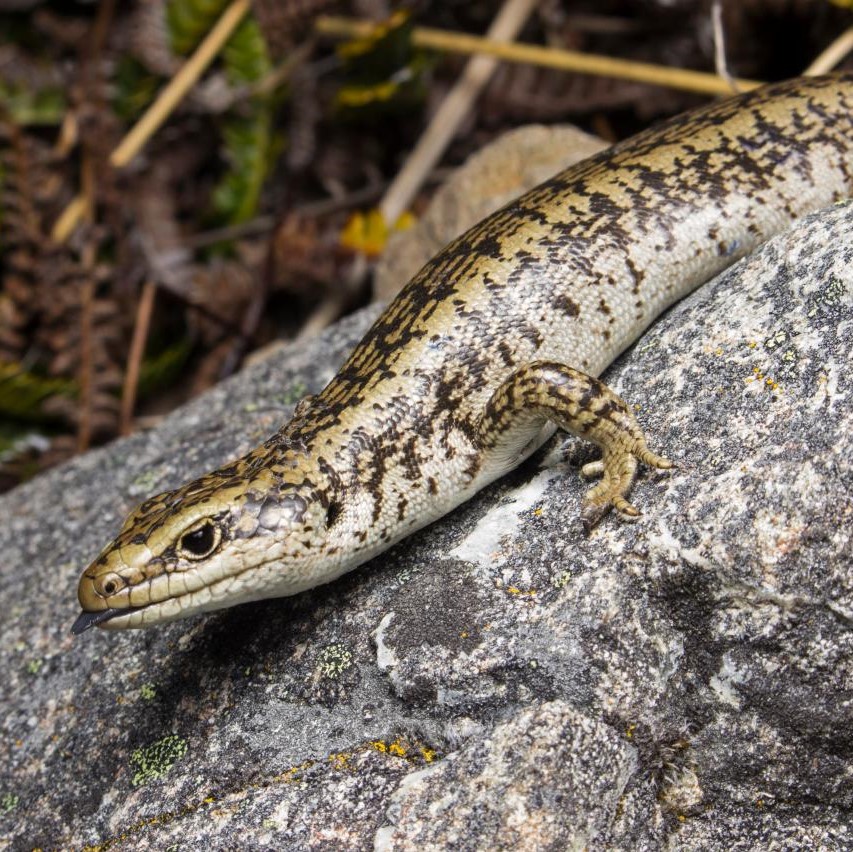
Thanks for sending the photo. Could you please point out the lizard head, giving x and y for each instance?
(244, 532)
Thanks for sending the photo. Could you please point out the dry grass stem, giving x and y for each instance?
(134, 359)
(829, 58)
(547, 57)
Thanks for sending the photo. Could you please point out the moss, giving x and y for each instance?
(147, 691)
(155, 760)
(8, 802)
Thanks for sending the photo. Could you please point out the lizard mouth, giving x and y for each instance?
(172, 608)
(89, 619)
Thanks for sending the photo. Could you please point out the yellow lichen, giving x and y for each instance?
(514, 590)
(341, 760)
(291, 774)
(769, 381)
(413, 752)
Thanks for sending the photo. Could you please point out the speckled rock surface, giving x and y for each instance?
(498, 681)
(549, 778)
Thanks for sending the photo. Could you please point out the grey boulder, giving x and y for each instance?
(499, 680)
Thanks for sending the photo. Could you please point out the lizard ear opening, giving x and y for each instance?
(200, 541)
(332, 513)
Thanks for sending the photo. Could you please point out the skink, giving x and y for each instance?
(496, 343)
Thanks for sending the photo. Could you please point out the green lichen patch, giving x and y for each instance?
(334, 660)
(403, 576)
(294, 393)
(8, 802)
(147, 691)
(155, 760)
(561, 580)
(145, 482)
(828, 297)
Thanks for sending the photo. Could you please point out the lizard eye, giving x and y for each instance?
(200, 541)
(109, 584)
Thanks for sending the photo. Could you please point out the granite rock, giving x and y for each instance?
(497, 681)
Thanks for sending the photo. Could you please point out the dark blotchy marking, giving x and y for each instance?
(529, 212)
(491, 284)
(490, 246)
(402, 505)
(566, 305)
(610, 410)
(592, 392)
(409, 458)
(506, 353)
(452, 386)
(637, 274)
(473, 468)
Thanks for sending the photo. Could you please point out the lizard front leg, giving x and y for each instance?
(545, 391)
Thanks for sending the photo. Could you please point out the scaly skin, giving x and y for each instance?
(483, 354)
